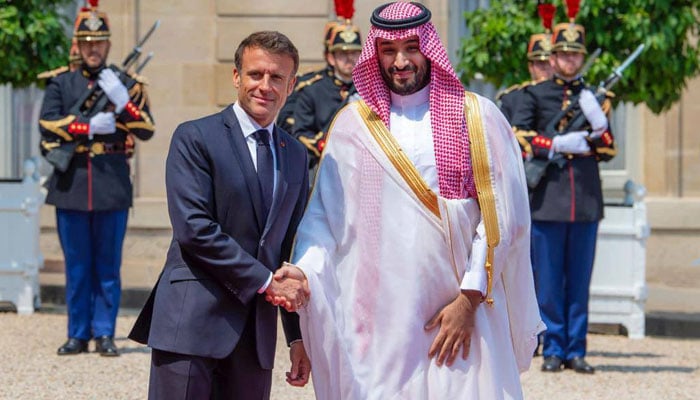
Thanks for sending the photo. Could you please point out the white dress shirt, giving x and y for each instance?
(248, 127)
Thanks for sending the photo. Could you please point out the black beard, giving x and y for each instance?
(409, 88)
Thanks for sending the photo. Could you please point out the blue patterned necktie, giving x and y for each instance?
(265, 167)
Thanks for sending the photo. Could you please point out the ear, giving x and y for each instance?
(330, 59)
(236, 78)
(292, 84)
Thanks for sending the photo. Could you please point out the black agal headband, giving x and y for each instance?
(396, 24)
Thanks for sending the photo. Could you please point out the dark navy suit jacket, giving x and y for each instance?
(223, 247)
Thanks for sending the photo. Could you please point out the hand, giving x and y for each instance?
(572, 142)
(114, 89)
(456, 322)
(300, 370)
(593, 112)
(288, 288)
(102, 123)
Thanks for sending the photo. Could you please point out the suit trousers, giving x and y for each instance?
(237, 377)
(562, 261)
(92, 248)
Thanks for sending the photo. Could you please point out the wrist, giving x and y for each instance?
(295, 341)
(475, 297)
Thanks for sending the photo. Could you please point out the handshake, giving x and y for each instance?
(288, 288)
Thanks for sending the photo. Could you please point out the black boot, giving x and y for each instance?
(73, 346)
(551, 364)
(106, 347)
(579, 365)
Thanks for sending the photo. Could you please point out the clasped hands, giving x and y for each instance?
(288, 288)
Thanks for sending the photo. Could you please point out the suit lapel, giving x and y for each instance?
(240, 149)
(282, 171)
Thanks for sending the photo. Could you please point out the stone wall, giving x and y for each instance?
(190, 76)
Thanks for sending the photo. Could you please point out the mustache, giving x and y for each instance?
(409, 68)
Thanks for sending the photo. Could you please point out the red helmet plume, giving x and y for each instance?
(344, 9)
(572, 7)
(546, 12)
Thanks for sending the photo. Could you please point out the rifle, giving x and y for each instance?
(100, 99)
(536, 167)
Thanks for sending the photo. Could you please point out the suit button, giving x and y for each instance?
(262, 243)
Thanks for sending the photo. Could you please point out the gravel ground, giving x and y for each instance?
(651, 368)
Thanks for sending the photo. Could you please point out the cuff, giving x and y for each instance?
(475, 277)
(133, 110)
(267, 283)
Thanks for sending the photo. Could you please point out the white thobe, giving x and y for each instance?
(382, 259)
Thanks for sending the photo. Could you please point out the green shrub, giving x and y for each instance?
(32, 39)
(669, 29)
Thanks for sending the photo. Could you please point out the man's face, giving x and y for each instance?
(540, 70)
(264, 82)
(404, 68)
(566, 63)
(94, 52)
(343, 61)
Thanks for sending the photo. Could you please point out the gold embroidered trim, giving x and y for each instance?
(398, 158)
(521, 136)
(53, 73)
(308, 82)
(482, 178)
(606, 150)
(56, 127)
(310, 143)
(139, 125)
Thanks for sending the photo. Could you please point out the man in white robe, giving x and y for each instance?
(415, 242)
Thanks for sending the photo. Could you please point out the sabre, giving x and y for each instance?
(589, 61)
(615, 76)
(136, 52)
(143, 64)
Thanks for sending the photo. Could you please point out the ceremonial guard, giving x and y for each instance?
(318, 102)
(90, 185)
(563, 130)
(539, 48)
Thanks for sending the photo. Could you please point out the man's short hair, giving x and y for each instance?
(270, 41)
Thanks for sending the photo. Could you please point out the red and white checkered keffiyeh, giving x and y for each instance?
(450, 137)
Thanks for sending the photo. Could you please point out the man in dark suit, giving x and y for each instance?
(237, 188)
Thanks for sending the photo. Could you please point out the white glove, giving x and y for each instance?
(114, 89)
(102, 123)
(572, 142)
(594, 114)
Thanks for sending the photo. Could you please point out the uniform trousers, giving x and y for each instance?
(92, 248)
(562, 260)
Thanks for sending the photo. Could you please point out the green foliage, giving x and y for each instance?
(497, 46)
(32, 39)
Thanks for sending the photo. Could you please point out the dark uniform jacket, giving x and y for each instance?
(315, 108)
(509, 99)
(285, 118)
(570, 190)
(98, 175)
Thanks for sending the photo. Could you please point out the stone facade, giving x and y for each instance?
(190, 76)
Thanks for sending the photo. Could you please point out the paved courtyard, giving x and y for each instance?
(650, 368)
